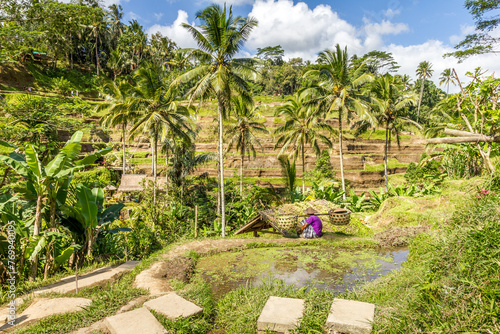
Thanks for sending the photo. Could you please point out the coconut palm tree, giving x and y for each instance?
(446, 78)
(301, 127)
(337, 90)
(117, 110)
(244, 127)
(389, 104)
(157, 111)
(424, 71)
(220, 37)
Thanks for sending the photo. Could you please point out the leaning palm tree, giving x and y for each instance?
(117, 110)
(337, 90)
(446, 78)
(220, 37)
(157, 112)
(243, 132)
(302, 127)
(424, 71)
(389, 105)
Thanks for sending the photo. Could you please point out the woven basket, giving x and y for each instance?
(339, 218)
(287, 223)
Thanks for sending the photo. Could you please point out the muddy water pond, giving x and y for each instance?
(318, 267)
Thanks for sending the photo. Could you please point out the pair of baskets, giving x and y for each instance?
(336, 217)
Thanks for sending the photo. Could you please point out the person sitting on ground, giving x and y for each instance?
(312, 227)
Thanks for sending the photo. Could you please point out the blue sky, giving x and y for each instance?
(413, 30)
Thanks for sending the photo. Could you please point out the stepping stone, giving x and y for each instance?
(350, 317)
(280, 315)
(134, 322)
(45, 307)
(173, 306)
(97, 277)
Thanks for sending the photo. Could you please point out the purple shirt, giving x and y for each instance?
(316, 224)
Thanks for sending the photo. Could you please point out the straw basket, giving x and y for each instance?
(339, 218)
(287, 223)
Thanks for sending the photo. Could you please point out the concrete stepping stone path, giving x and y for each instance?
(172, 306)
(45, 307)
(97, 277)
(138, 321)
(280, 315)
(350, 317)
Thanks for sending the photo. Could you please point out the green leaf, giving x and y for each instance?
(65, 255)
(42, 242)
(91, 158)
(87, 206)
(19, 166)
(111, 213)
(6, 144)
(34, 163)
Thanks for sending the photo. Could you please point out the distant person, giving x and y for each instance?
(312, 227)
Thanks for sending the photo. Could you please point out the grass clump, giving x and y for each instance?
(451, 281)
(239, 310)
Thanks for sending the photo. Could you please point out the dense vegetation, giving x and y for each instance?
(145, 89)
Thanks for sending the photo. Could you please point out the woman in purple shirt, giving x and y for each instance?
(311, 227)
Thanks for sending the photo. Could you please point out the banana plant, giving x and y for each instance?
(90, 213)
(50, 181)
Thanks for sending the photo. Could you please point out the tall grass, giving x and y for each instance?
(451, 282)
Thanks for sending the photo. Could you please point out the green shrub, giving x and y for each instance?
(96, 178)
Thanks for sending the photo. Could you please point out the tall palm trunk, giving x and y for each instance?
(241, 170)
(420, 99)
(385, 155)
(221, 167)
(341, 156)
(97, 55)
(124, 125)
(303, 169)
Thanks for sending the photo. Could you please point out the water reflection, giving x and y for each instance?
(295, 270)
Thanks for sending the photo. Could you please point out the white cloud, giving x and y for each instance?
(158, 16)
(464, 31)
(301, 31)
(304, 31)
(390, 13)
(176, 32)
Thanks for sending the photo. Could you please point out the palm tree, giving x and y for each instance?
(220, 37)
(118, 110)
(242, 132)
(446, 78)
(289, 174)
(157, 111)
(389, 104)
(337, 90)
(301, 127)
(424, 71)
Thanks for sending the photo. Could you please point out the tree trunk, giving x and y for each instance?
(420, 99)
(241, 171)
(53, 212)
(97, 55)
(36, 232)
(341, 156)
(166, 172)
(303, 169)
(221, 166)
(385, 156)
(124, 125)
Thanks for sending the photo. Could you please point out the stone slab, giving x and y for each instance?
(134, 322)
(350, 317)
(280, 315)
(173, 306)
(97, 277)
(45, 307)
